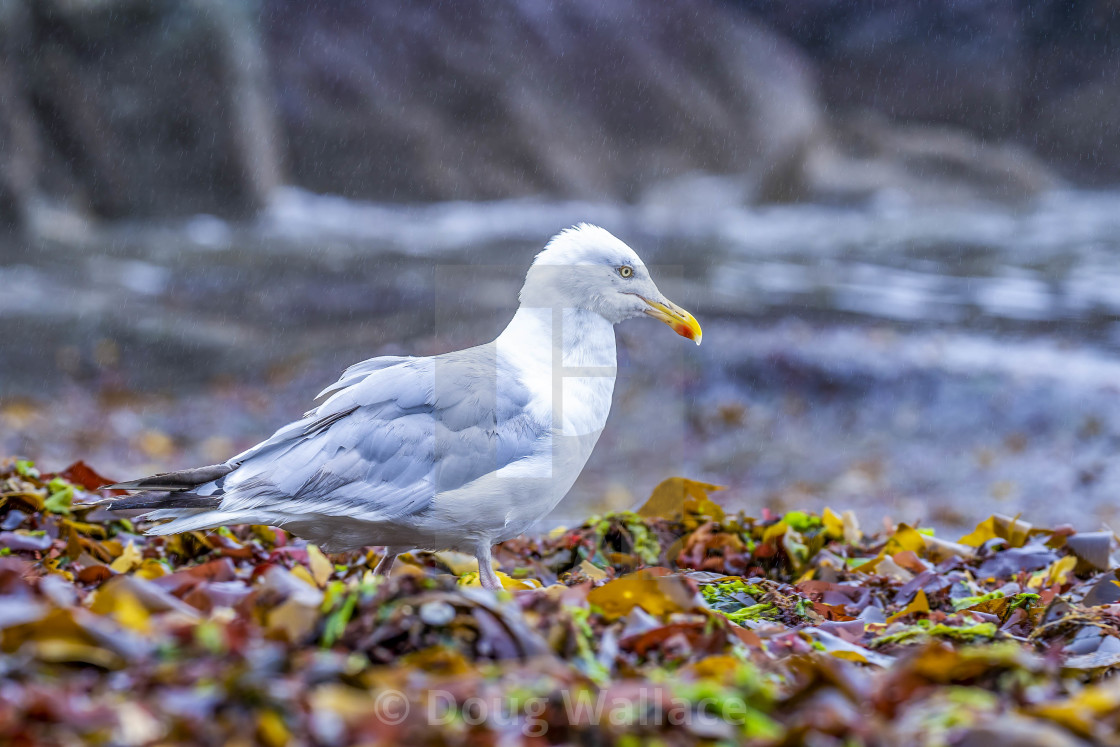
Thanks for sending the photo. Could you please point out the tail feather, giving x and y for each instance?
(176, 481)
(188, 520)
(170, 496)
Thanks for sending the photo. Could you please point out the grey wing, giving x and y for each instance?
(355, 373)
(318, 417)
(383, 447)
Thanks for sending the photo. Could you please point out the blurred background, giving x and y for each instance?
(897, 221)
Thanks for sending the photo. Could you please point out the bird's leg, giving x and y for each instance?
(486, 575)
(386, 563)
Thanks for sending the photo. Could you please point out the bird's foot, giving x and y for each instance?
(486, 575)
(491, 582)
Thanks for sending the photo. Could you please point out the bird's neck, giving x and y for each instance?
(569, 338)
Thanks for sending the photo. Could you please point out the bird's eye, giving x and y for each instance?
(626, 271)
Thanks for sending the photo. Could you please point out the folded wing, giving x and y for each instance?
(380, 448)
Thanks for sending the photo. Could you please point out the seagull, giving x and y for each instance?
(457, 451)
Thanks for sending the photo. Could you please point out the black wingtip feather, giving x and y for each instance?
(182, 480)
(155, 499)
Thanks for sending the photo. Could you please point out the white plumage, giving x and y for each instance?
(454, 451)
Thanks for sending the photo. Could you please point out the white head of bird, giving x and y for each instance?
(586, 267)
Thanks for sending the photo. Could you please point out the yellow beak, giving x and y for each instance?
(683, 323)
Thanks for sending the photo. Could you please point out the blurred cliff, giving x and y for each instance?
(125, 108)
(122, 109)
(142, 108)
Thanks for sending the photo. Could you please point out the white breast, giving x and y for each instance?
(568, 363)
(570, 372)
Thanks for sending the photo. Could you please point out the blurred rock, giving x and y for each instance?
(865, 156)
(500, 98)
(128, 108)
(17, 131)
(1043, 74)
(131, 108)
